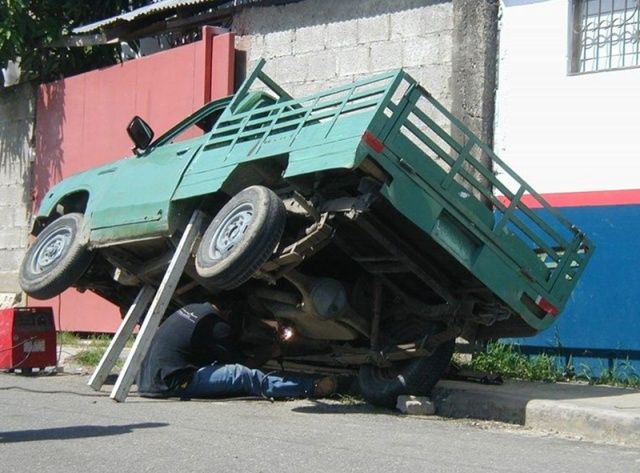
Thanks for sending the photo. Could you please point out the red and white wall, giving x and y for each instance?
(575, 139)
(81, 123)
(562, 132)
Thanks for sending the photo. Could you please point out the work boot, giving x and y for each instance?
(326, 386)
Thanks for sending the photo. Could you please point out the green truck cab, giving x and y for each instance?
(363, 226)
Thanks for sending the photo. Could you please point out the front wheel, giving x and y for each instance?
(417, 376)
(241, 237)
(56, 260)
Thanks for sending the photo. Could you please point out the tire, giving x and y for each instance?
(241, 237)
(418, 376)
(56, 259)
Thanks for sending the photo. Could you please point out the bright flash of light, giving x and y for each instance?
(286, 333)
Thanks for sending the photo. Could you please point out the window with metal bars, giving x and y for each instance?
(606, 35)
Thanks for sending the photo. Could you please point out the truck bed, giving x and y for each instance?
(441, 177)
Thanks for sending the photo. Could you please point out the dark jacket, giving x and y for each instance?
(192, 337)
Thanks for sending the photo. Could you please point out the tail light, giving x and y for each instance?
(547, 306)
(373, 142)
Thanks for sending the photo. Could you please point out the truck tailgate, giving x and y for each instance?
(490, 216)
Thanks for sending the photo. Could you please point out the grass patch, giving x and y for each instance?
(507, 360)
(92, 346)
(89, 357)
(68, 338)
(92, 339)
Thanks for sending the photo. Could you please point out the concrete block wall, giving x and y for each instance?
(17, 118)
(314, 44)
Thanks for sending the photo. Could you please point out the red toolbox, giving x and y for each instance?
(27, 338)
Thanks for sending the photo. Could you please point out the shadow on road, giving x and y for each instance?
(320, 407)
(73, 432)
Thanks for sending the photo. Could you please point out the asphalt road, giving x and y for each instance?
(57, 424)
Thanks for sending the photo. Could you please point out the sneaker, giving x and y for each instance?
(323, 387)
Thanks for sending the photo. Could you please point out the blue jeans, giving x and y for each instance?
(221, 380)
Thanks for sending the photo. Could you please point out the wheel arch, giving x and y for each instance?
(76, 201)
(267, 172)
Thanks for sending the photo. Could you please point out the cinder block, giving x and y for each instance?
(407, 23)
(20, 216)
(11, 195)
(303, 89)
(386, 55)
(341, 34)
(373, 29)
(278, 43)
(415, 405)
(17, 165)
(309, 39)
(18, 102)
(432, 49)
(353, 61)
(322, 65)
(289, 69)
(10, 289)
(435, 77)
(13, 237)
(10, 260)
(255, 46)
(438, 17)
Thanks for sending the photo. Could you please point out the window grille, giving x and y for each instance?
(606, 35)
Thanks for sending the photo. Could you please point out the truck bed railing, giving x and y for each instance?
(518, 210)
(292, 116)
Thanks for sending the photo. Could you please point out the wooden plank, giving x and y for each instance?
(157, 309)
(118, 342)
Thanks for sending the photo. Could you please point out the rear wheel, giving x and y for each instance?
(417, 376)
(56, 259)
(241, 237)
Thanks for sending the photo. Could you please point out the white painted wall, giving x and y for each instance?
(561, 132)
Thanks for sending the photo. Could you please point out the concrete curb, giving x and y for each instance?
(595, 413)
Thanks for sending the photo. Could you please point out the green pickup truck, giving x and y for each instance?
(360, 226)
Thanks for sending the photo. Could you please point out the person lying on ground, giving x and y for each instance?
(194, 354)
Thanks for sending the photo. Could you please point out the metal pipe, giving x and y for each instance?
(377, 308)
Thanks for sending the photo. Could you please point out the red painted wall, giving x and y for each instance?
(81, 121)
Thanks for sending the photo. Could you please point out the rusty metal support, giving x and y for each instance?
(394, 246)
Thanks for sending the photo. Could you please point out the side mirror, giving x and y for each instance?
(140, 133)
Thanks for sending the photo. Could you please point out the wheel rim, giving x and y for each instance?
(231, 231)
(51, 250)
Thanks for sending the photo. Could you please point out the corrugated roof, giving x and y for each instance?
(140, 12)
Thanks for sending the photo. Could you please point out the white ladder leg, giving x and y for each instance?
(111, 355)
(157, 309)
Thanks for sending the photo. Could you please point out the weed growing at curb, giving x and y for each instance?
(507, 360)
